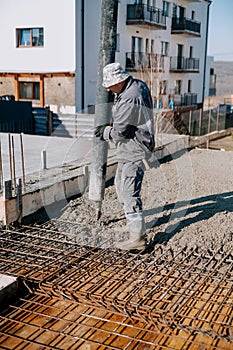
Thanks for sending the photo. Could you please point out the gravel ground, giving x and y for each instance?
(188, 201)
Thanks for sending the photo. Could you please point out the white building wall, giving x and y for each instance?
(198, 43)
(62, 51)
(58, 20)
(92, 37)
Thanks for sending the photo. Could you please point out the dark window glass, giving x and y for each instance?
(28, 90)
(37, 37)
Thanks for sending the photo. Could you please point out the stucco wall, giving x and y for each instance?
(58, 20)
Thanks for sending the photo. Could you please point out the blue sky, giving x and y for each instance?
(220, 43)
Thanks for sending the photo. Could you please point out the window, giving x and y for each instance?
(165, 8)
(178, 87)
(152, 44)
(150, 4)
(191, 52)
(136, 44)
(163, 87)
(164, 48)
(30, 37)
(147, 45)
(193, 15)
(189, 85)
(29, 90)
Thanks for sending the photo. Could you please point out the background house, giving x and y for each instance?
(50, 51)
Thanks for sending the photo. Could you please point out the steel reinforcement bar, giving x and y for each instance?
(40, 322)
(191, 289)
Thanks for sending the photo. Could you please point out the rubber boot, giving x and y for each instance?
(137, 230)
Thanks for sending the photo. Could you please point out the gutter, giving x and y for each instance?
(82, 54)
(206, 44)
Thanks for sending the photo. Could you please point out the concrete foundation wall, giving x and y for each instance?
(6, 86)
(60, 91)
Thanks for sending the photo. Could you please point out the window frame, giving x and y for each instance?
(19, 35)
(166, 8)
(164, 48)
(33, 90)
(178, 87)
(163, 85)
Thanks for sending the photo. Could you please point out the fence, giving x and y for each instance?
(194, 122)
(15, 116)
(201, 122)
(43, 121)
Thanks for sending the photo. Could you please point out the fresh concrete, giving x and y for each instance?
(67, 170)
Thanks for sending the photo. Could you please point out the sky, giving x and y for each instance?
(220, 41)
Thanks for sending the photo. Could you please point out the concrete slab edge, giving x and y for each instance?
(63, 188)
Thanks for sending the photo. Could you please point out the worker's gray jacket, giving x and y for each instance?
(132, 129)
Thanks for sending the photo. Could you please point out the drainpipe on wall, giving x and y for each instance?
(206, 44)
(82, 58)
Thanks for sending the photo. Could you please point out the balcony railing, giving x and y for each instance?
(184, 25)
(141, 14)
(138, 61)
(187, 99)
(184, 64)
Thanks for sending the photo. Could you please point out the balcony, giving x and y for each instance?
(187, 99)
(143, 15)
(138, 62)
(186, 26)
(184, 64)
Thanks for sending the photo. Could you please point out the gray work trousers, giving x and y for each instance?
(128, 183)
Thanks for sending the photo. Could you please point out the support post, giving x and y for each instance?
(107, 48)
(43, 159)
(19, 199)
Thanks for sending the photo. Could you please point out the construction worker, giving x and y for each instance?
(132, 132)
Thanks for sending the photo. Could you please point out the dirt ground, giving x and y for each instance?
(187, 201)
(225, 143)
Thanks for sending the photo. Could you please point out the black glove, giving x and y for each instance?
(99, 131)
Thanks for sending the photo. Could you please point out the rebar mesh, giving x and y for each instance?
(190, 290)
(40, 322)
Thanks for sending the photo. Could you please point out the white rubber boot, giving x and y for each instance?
(137, 230)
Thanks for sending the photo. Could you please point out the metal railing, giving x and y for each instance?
(187, 99)
(139, 13)
(137, 61)
(179, 63)
(202, 122)
(185, 24)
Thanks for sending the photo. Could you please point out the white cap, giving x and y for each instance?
(113, 74)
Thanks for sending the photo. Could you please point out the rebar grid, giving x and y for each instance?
(51, 323)
(190, 289)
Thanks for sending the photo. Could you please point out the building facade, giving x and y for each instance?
(50, 52)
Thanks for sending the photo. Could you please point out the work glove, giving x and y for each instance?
(99, 131)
